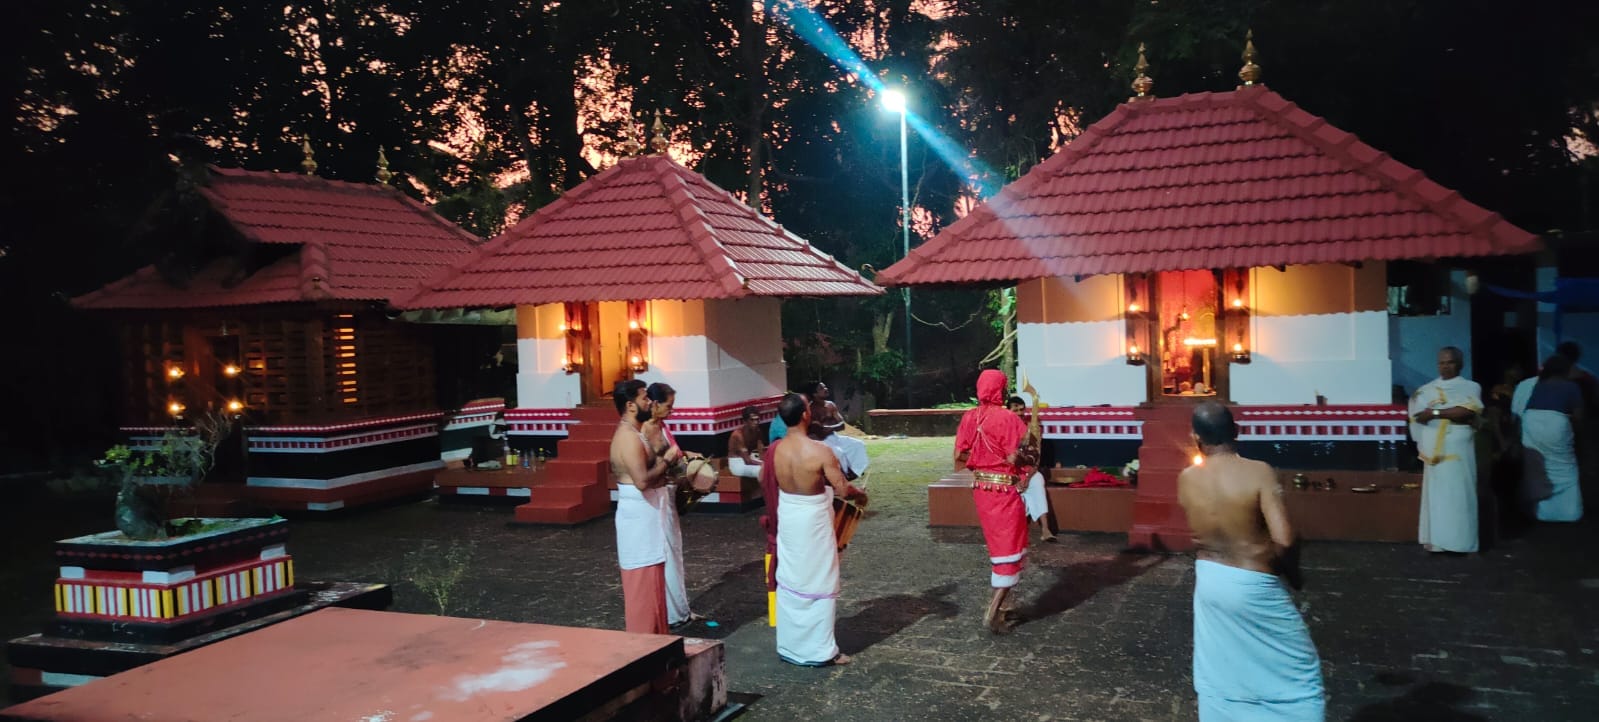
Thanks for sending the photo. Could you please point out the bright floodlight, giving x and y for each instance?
(894, 100)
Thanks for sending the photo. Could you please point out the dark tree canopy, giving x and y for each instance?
(491, 108)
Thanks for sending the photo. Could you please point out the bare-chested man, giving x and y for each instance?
(642, 503)
(808, 477)
(744, 445)
(826, 422)
(1253, 657)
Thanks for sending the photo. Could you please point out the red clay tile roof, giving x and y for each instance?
(1209, 180)
(357, 242)
(646, 228)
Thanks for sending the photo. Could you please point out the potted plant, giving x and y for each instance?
(151, 477)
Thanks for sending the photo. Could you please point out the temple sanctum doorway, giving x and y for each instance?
(1186, 345)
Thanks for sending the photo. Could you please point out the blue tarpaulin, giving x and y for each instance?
(1570, 294)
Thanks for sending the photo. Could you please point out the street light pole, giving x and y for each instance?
(894, 101)
(905, 223)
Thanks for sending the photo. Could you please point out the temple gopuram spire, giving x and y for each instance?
(1143, 84)
(1250, 73)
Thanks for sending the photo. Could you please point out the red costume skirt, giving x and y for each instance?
(1004, 518)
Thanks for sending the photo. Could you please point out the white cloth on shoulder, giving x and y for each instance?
(807, 578)
(1253, 657)
(1036, 499)
(851, 452)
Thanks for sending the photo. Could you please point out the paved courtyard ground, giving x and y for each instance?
(1509, 635)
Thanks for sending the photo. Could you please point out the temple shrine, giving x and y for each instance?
(646, 270)
(287, 326)
(1226, 246)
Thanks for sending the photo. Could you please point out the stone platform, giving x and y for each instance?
(342, 664)
(42, 664)
(949, 504)
(1340, 514)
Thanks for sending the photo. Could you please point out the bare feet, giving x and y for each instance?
(841, 659)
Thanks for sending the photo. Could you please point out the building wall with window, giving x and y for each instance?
(1415, 339)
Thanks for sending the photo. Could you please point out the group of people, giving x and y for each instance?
(1253, 656)
(1444, 414)
(804, 473)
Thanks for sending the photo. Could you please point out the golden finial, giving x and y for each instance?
(309, 164)
(631, 145)
(1143, 83)
(1250, 73)
(658, 143)
(383, 173)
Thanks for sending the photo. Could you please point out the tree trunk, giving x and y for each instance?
(880, 329)
(752, 49)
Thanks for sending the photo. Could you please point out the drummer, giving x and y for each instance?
(808, 475)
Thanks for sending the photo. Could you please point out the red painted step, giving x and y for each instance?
(574, 487)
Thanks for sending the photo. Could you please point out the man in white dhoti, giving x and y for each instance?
(808, 476)
(1253, 657)
(1441, 414)
(1549, 480)
(826, 422)
(642, 503)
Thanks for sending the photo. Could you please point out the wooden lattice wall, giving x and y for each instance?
(296, 365)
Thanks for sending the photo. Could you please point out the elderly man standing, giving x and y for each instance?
(1441, 414)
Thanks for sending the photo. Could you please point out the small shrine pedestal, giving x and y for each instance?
(121, 603)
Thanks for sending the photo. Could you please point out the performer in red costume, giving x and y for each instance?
(989, 442)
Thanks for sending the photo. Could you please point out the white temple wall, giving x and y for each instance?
(717, 352)
(1316, 329)
(541, 382)
(1069, 342)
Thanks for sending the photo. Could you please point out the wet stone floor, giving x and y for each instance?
(1507, 635)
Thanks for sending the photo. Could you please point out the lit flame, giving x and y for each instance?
(633, 325)
(1133, 307)
(231, 370)
(636, 360)
(1238, 303)
(1132, 350)
(235, 405)
(1199, 460)
(174, 408)
(563, 327)
(174, 372)
(1238, 348)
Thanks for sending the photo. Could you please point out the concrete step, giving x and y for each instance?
(584, 448)
(576, 471)
(564, 504)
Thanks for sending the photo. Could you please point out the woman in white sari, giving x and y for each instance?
(1549, 487)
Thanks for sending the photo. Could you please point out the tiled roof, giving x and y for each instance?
(1210, 180)
(357, 242)
(646, 228)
